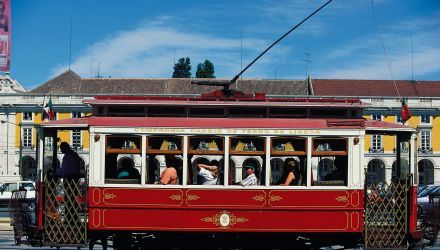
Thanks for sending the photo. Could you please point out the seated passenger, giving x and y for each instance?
(251, 179)
(169, 175)
(291, 173)
(127, 170)
(208, 173)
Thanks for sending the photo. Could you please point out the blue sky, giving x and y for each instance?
(142, 39)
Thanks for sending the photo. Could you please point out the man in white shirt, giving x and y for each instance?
(251, 179)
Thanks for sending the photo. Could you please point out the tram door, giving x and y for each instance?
(64, 213)
(386, 202)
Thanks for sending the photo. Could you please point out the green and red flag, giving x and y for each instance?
(48, 113)
(405, 112)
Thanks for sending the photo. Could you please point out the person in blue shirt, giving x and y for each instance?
(127, 170)
(70, 167)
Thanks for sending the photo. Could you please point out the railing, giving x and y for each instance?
(425, 150)
(28, 147)
(402, 150)
(375, 150)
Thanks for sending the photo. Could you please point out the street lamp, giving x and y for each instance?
(7, 145)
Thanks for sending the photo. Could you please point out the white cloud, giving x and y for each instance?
(148, 51)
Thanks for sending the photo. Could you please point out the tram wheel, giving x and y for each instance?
(122, 241)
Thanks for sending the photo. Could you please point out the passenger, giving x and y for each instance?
(251, 179)
(70, 167)
(127, 170)
(291, 175)
(169, 175)
(208, 173)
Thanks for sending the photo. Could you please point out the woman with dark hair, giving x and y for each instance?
(291, 173)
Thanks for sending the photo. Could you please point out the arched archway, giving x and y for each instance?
(375, 171)
(276, 169)
(426, 172)
(29, 168)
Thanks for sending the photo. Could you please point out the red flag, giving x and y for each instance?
(48, 112)
(406, 113)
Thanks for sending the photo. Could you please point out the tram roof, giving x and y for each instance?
(190, 122)
(371, 126)
(217, 99)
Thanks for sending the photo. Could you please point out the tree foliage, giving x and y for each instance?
(205, 70)
(182, 69)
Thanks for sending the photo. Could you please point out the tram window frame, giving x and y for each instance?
(252, 156)
(299, 156)
(206, 157)
(338, 176)
(159, 157)
(115, 155)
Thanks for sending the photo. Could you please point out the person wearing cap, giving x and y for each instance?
(251, 178)
(209, 173)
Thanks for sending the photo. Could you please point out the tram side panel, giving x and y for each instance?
(225, 210)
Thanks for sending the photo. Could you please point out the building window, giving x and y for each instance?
(27, 116)
(27, 137)
(425, 119)
(48, 143)
(377, 117)
(76, 139)
(425, 141)
(76, 114)
(376, 144)
(399, 118)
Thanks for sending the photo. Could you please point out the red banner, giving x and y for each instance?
(5, 35)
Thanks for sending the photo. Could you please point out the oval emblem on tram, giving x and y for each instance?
(225, 220)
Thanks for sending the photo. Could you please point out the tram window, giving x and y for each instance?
(164, 160)
(126, 111)
(288, 155)
(330, 162)
(165, 111)
(247, 155)
(247, 112)
(287, 112)
(123, 159)
(207, 112)
(328, 112)
(206, 158)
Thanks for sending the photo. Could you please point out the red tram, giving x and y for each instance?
(325, 137)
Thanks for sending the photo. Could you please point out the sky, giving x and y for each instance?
(348, 39)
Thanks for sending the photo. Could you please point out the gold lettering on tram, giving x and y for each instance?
(219, 131)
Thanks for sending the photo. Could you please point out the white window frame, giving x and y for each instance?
(80, 137)
(424, 122)
(373, 116)
(27, 120)
(80, 114)
(25, 139)
(374, 141)
(425, 140)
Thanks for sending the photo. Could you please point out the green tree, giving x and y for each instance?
(182, 69)
(205, 70)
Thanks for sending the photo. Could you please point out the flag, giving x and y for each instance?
(405, 112)
(48, 110)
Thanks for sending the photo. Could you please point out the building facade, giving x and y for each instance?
(20, 111)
